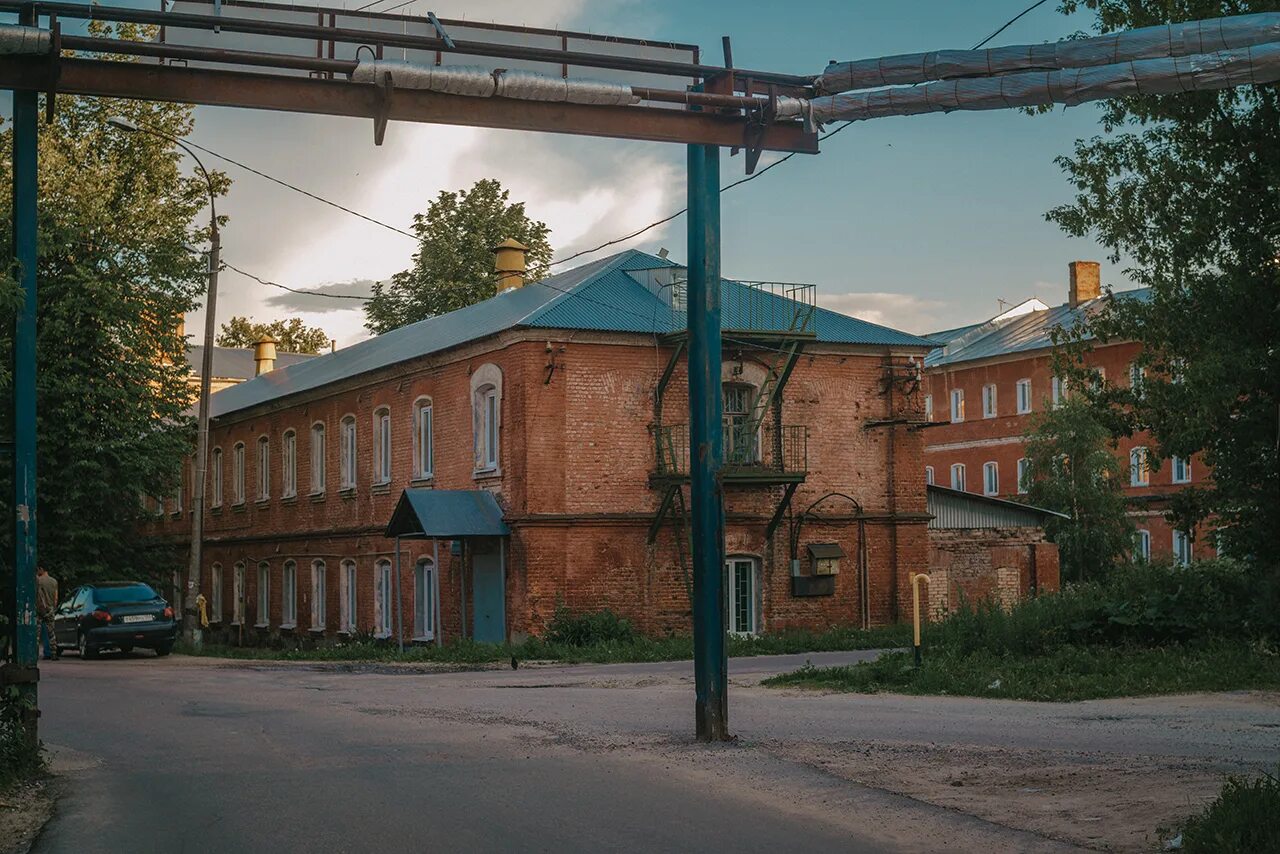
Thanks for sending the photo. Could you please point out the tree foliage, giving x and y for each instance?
(1072, 468)
(1187, 189)
(292, 335)
(114, 277)
(453, 266)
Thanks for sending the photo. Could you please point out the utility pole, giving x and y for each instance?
(25, 186)
(706, 445)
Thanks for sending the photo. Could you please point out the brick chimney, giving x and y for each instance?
(264, 355)
(509, 264)
(1086, 282)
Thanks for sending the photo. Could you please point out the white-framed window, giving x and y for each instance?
(382, 445)
(989, 400)
(1137, 378)
(289, 464)
(1024, 396)
(1058, 393)
(486, 403)
(348, 455)
(957, 405)
(1181, 548)
(237, 594)
(317, 594)
(215, 593)
(743, 602)
(957, 476)
(928, 475)
(347, 578)
(1181, 470)
(237, 473)
(424, 599)
(215, 469)
(264, 468)
(928, 407)
(1139, 471)
(289, 595)
(382, 605)
(990, 479)
(1023, 479)
(317, 458)
(264, 595)
(1142, 545)
(424, 449)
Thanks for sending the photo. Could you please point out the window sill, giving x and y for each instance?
(216, 510)
(262, 502)
(316, 630)
(262, 625)
(383, 488)
(177, 514)
(288, 627)
(289, 499)
(382, 635)
(425, 480)
(347, 492)
(238, 508)
(486, 474)
(425, 640)
(316, 497)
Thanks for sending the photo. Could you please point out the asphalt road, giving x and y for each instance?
(189, 755)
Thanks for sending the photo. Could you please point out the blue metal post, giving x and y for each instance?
(706, 444)
(25, 117)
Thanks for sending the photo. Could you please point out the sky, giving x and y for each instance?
(920, 223)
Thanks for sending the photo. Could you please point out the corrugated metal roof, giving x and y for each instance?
(598, 296)
(1020, 334)
(952, 509)
(447, 514)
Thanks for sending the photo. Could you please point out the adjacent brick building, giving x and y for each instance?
(988, 380)
(566, 400)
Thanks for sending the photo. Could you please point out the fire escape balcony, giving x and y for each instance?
(768, 456)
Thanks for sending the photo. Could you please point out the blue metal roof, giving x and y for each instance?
(447, 514)
(1020, 334)
(599, 296)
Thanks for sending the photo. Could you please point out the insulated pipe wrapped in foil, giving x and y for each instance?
(1257, 64)
(1186, 39)
(21, 39)
(481, 82)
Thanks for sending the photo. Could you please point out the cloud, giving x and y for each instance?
(899, 311)
(322, 300)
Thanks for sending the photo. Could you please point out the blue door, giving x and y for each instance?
(489, 618)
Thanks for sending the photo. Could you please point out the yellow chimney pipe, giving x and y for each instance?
(509, 264)
(264, 355)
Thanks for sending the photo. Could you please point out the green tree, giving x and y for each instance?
(114, 277)
(292, 335)
(1184, 188)
(1072, 468)
(453, 266)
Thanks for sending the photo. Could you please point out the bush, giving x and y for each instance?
(18, 759)
(1244, 818)
(588, 629)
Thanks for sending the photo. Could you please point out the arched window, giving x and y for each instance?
(237, 473)
(382, 445)
(486, 403)
(347, 596)
(264, 468)
(957, 476)
(215, 472)
(383, 611)
(990, 479)
(264, 595)
(289, 596)
(424, 599)
(289, 464)
(928, 474)
(237, 595)
(741, 443)
(424, 451)
(317, 458)
(215, 593)
(1139, 471)
(348, 455)
(318, 600)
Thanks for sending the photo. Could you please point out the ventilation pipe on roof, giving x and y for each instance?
(1086, 282)
(509, 264)
(264, 355)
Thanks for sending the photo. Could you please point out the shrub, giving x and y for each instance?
(587, 629)
(1244, 818)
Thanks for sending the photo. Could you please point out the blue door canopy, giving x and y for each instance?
(447, 514)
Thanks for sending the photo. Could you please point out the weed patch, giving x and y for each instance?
(1244, 818)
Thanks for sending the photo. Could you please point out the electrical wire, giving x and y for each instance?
(1009, 23)
(270, 283)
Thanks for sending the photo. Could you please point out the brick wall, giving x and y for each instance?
(1002, 565)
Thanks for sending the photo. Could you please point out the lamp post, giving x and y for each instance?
(191, 622)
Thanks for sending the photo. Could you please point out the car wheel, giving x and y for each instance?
(87, 650)
(164, 649)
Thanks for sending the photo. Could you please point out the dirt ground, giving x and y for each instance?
(24, 809)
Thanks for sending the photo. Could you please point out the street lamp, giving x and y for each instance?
(191, 622)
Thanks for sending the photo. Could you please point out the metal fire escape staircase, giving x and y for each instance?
(773, 321)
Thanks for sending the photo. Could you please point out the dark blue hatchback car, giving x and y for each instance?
(119, 614)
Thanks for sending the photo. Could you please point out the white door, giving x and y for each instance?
(741, 588)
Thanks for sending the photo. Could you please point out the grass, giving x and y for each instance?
(1063, 674)
(633, 649)
(1244, 818)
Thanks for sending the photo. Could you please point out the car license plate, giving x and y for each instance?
(136, 618)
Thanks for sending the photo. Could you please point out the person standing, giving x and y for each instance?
(46, 604)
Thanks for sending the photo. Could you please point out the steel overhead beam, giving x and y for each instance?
(221, 88)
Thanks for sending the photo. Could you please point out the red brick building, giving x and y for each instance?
(566, 401)
(985, 383)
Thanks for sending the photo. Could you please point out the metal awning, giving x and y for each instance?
(447, 514)
(822, 551)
